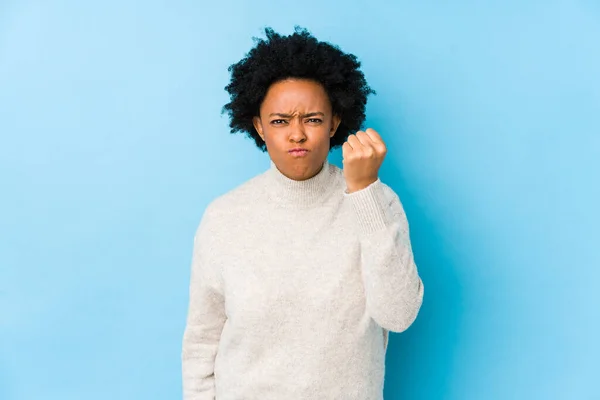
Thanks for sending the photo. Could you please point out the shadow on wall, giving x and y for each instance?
(420, 361)
(5, 392)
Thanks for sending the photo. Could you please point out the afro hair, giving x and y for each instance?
(299, 55)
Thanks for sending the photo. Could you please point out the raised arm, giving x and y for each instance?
(393, 288)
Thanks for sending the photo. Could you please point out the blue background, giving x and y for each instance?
(112, 143)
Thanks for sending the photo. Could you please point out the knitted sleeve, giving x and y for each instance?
(205, 319)
(394, 290)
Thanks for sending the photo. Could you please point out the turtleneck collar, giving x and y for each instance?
(286, 191)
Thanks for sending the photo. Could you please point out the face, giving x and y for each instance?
(296, 124)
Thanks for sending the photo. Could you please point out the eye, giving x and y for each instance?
(314, 120)
(278, 121)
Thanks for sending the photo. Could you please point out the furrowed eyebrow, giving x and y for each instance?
(283, 115)
(314, 114)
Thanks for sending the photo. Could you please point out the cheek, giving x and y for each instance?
(275, 138)
(322, 133)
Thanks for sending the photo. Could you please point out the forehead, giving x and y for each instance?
(296, 93)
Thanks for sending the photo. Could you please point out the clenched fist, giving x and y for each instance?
(363, 155)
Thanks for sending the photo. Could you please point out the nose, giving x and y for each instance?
(297, 134)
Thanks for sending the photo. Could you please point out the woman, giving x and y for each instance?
(298, 274)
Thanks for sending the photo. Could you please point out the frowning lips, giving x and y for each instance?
(298, 151)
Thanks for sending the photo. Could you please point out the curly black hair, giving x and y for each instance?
(299, 55)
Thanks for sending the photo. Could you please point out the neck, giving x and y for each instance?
(287, 191)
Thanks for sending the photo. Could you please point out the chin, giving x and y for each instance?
(304, 171)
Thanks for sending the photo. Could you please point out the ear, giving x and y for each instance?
(258, 126)
(335, 123)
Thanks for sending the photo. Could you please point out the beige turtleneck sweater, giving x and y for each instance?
(294, 285)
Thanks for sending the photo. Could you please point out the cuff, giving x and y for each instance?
(370, 207)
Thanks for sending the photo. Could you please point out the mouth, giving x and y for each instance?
(299, 152)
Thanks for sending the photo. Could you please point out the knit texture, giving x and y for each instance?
(294, 286)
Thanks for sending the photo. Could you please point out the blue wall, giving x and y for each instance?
(112, 144)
